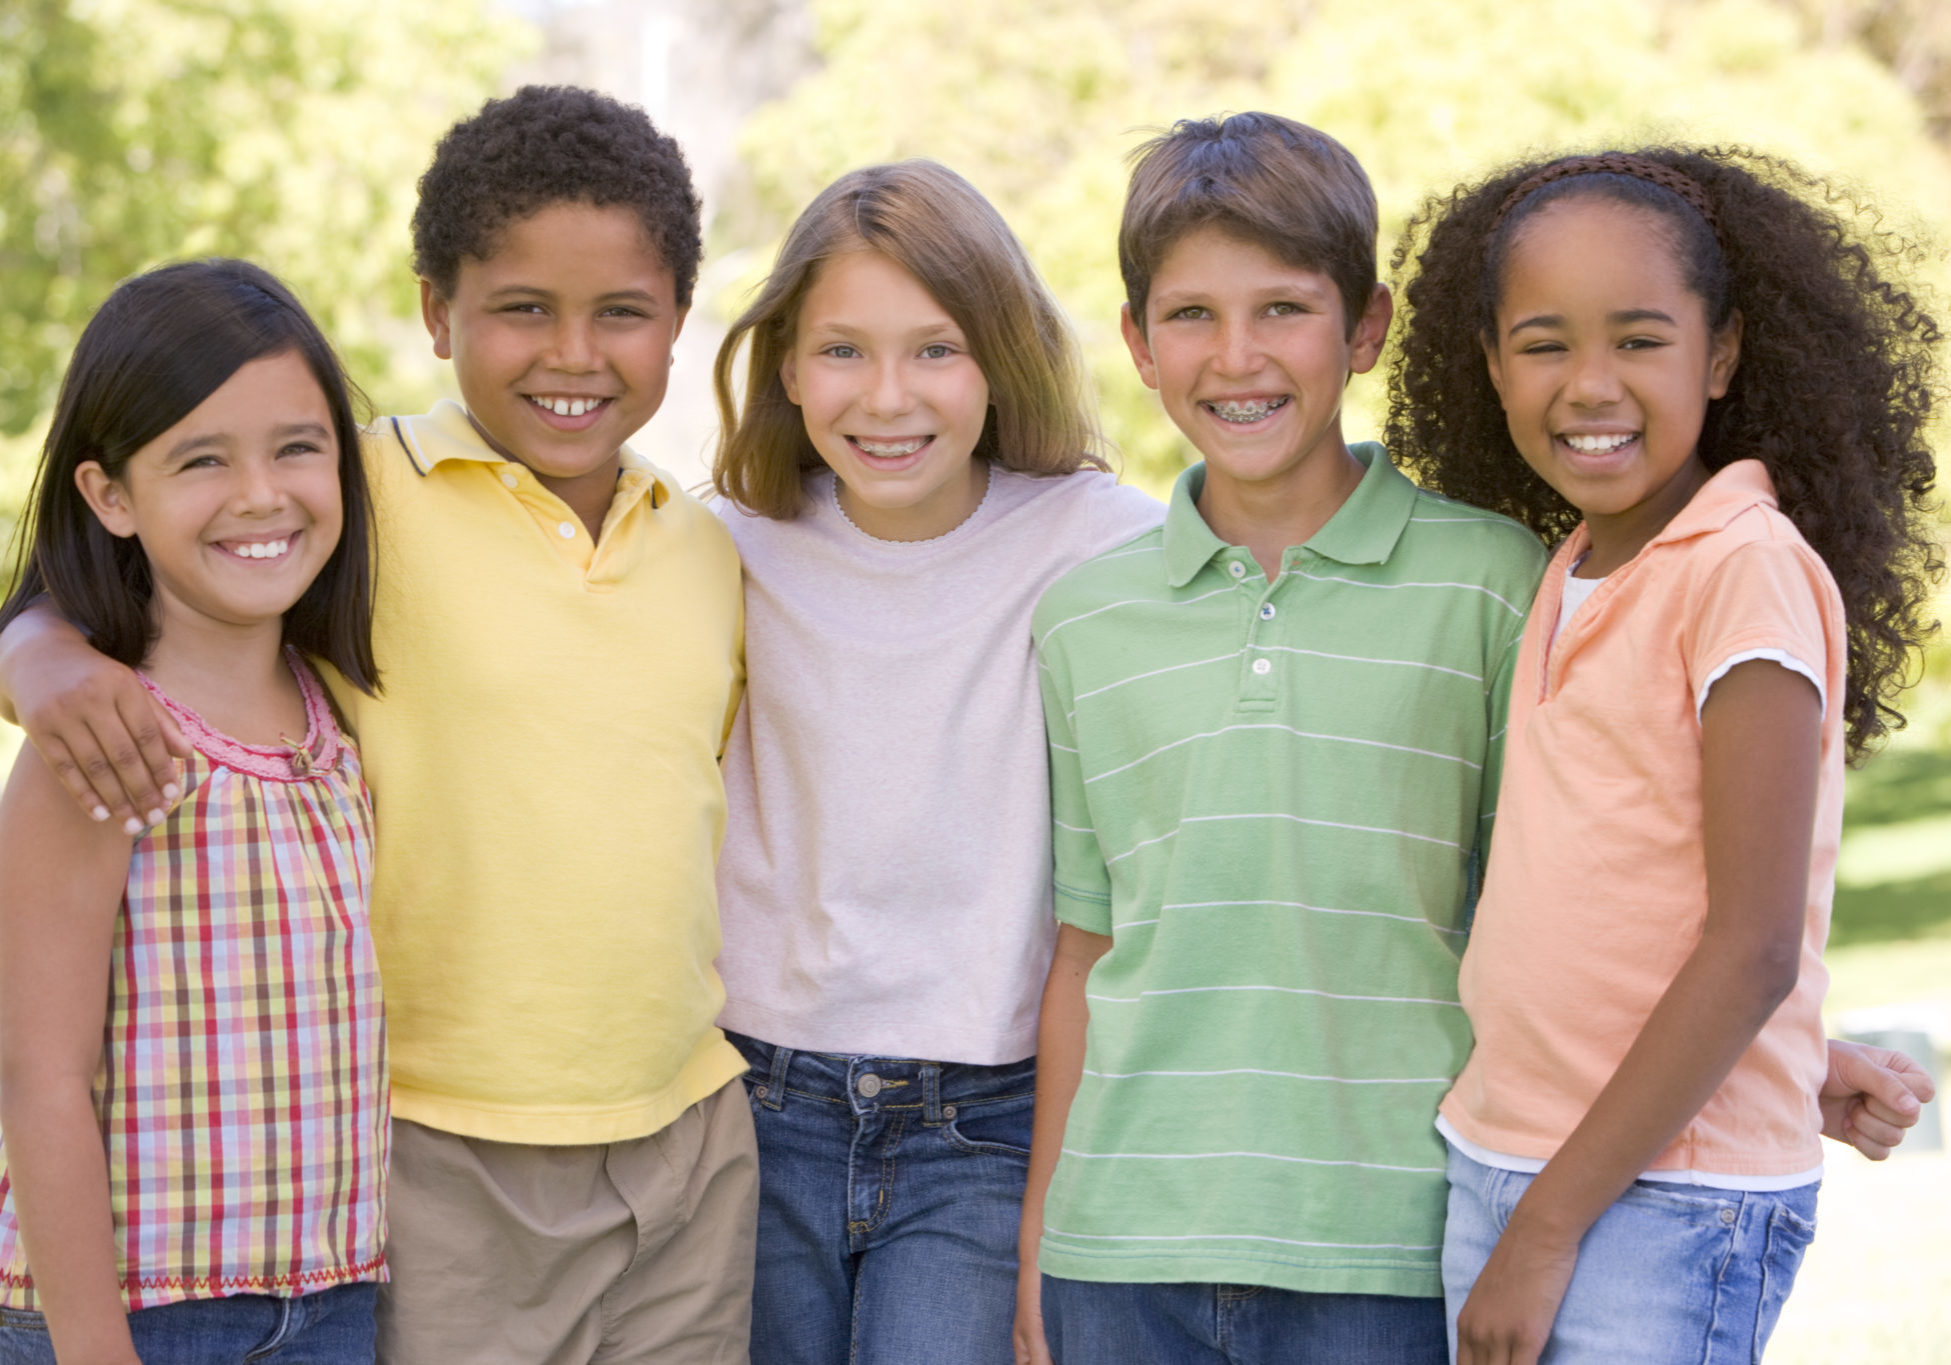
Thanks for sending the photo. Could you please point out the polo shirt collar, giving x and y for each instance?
(1363, 530)
(1730, 491)
(447, 433)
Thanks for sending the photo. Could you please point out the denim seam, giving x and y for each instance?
(1731, 1233)
(279, 1334)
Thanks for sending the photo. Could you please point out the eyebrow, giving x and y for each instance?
(947, 327)
(217, 438)
(535, 291)
(1624, 315)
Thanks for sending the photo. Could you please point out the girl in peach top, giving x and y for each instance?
(1706, 382)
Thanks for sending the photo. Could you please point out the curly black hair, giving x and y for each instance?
(549, 144)
(1833, 393)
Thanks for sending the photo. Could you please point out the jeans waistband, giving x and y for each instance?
(937, 1089)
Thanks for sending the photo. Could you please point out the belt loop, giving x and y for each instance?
(773, 1094)
(931, 1092)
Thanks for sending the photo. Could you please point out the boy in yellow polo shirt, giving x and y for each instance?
(558, 628)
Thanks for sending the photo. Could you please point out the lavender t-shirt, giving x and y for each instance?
(885, 879)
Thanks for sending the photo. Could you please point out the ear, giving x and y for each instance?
(1723, 356)
(1493, 361)
(789, 376)
(434, 312)
(1365, 346)
(1140, 347)
(106, 498)
(677, 330)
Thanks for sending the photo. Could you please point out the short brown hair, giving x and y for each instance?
(1281, 185)
(938, 227)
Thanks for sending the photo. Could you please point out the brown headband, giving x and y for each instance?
(1615, 163)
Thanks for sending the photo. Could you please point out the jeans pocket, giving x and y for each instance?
(995, 1128)
(24, 1339)
(1789, 1236)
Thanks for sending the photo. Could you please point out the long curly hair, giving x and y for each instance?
(1833, 393)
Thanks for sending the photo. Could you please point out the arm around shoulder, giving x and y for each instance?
(107, 741)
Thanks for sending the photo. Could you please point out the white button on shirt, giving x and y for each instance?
(1237, 569)
(1263, 666)
(510, 479)
(567, 530)
(1266, 611)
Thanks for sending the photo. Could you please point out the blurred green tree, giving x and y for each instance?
(1038, 104)
(138, 131)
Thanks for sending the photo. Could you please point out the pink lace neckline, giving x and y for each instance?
(291, 761)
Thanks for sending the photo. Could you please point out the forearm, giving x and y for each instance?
(1759, 757)
(59, 1175)
(38, 623)
(1708, 1017)
(1061, 1030)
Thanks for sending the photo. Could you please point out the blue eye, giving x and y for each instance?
(840, 351)
(937, 351)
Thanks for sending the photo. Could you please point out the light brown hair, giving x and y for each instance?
(938, 227)
(1281, 185)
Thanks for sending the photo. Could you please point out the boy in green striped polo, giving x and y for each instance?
(1272, 726)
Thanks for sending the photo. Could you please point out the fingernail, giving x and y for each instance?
(132, 826)
(98, 814)
(171, 791)
(155, 817)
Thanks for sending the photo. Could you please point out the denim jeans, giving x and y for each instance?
(329, 1327)
(889, 1196)
(1087, 1323)
(1670, 1273)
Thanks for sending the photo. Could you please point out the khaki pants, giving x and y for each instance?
(508, 1254)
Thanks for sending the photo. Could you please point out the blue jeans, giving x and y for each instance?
(1669, 1273)
(330, 1327)
(1087, 1323)
(889, 1197)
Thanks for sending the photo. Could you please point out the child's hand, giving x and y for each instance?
(1031, 1348)
(1507, 1318)
(1870, 1096)
(104, 737)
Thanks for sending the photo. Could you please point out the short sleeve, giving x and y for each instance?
(1768, 599)
(1119, 513)
(1083, 882)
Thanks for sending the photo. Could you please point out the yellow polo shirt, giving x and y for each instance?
(544, 768)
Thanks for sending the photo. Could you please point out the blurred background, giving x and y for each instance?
(138, 131)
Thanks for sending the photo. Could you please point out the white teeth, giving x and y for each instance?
(263, 549)
(1599, 445)
(567, 407)
(889, 449)
(1230, 411)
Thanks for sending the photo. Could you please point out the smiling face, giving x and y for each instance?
(237, 506)
(892, 399)
(561, 342)
(1605, 363)
(1250, 356)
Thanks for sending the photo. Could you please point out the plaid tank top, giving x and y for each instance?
(242, 1089)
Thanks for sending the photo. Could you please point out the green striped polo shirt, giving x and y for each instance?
(1271, 797)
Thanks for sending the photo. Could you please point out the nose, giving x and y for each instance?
(1239, 348)
(888, 393)
(573, 347)
(1594, 379)
(257, 489)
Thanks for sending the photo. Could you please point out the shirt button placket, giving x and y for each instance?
(1257, 685)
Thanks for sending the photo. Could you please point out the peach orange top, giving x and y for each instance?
(1596, 890)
